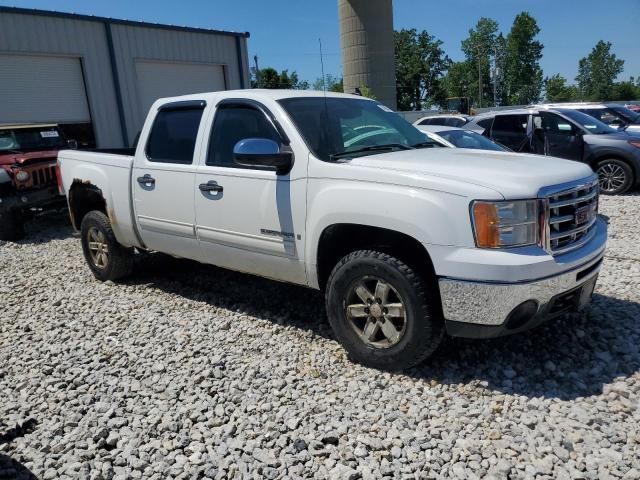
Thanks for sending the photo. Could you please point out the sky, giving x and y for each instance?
(285, 33)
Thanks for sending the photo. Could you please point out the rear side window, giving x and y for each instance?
(427, 121)
(454, 122)
(439, 121)
(173, 135)
(486, 123)
(510, 123)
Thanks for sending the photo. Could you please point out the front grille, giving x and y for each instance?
(570, 217)
(42, 176)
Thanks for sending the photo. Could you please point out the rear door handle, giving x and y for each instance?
(211, 186)
(146, 180)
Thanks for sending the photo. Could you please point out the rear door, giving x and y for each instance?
(561, 137)
(163, 179)
(511, 130)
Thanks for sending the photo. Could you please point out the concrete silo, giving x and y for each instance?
(366, 37)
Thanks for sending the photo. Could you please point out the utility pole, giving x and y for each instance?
(496, 72)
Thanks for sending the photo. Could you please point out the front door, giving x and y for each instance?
(246, 218)
(561, 137)
(163, 181)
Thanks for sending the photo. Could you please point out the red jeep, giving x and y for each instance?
(28, 180)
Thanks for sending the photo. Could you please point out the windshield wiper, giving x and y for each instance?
(424, 145)
(372, 148)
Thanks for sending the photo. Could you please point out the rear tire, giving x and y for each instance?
(11, 226)
(367, 292)
(615, 176)
(107, 259)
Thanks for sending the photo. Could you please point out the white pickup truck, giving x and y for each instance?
(408, 241)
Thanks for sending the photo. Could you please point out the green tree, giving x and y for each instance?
(478, 48)
(557, 90)
(523, 75)
(625, 90)
(332, 83)
(598, 71)
(270, 78)
(420, 65)
(460, 76)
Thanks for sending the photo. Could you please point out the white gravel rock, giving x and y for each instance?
(188, 371)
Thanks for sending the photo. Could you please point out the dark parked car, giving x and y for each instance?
(614, 115)
(28, 157)
(450, 120)
(570, 134)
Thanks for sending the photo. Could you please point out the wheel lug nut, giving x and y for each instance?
(378, 301)
(366, 310)
(385, 311)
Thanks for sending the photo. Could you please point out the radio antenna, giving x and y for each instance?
(324, 85)
(327, 128)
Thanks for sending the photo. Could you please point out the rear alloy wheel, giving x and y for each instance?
(382, 311)
(615, 176)
(107, 259)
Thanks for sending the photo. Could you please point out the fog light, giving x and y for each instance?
(521, 314)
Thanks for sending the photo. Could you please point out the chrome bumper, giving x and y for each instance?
(490, 304)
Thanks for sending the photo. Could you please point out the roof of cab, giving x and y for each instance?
(256, 93)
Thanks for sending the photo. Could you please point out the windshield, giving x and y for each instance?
(22, 139)
(336, 126)
(588, 122)
(628, 115)
(468, 139)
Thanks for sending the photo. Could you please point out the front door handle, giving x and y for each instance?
(146, 180)
(211, 186)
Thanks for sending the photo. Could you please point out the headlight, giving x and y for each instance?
(505, 224)
(22, 176)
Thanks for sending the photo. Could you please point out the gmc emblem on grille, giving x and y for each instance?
(583, 214)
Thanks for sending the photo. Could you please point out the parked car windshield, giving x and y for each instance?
(629, 115)
(42, 138)
(468, 139)
(593, 125)
(336, 126)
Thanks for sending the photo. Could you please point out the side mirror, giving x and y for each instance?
(262, 152)
(72, 144)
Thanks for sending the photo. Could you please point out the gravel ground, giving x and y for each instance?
(188, 371)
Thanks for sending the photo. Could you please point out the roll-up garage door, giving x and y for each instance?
(35, 89)
(168, 79)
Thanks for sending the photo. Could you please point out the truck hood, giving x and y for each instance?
(513, 175)
(21, 158)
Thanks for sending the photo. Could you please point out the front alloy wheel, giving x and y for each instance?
(382, 311)
(376, 312)
(615, 176)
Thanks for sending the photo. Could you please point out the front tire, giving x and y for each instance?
(107, 259)
(11, 226)
(382, 311)
(615, 176)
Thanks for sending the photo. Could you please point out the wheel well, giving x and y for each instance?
(84, 198)
(339, 240)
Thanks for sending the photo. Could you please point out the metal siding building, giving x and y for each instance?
(98, 76)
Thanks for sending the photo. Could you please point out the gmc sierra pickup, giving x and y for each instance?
(340, 194)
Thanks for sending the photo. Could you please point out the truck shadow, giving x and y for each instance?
(569, 357)
(46, 227)
(11, 469)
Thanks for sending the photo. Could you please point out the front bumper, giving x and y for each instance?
(489, 309)
(39, 198)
